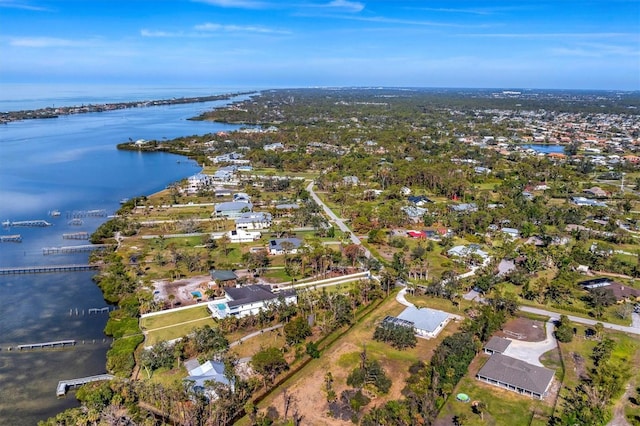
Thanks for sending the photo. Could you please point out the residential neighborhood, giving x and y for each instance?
(483, 260)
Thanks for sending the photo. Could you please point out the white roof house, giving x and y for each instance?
(242, 236)
(513, 233)
(253, 221)
(466, 251)
(426, 322)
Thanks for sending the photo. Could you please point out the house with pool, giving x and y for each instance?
(248, 300)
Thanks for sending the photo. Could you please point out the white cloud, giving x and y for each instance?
(39, 42)
(238, 28)
(552, 35)
(13, 4)
(349, 6)
(153, 33)
(596, 50)
(238, 4)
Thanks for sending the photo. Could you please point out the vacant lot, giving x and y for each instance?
(342, 357)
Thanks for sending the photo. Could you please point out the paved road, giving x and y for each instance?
(339, 222)
(556, 316)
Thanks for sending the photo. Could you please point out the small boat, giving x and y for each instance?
(124, 200)
(54, 213)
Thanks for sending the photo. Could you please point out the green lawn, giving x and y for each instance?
(174, 324)
(503, 407)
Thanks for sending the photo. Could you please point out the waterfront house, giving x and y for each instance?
(248, 300)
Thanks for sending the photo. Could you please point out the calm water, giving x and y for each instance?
(545, 149)
(70, 164)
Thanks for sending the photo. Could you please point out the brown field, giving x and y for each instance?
(341, 358)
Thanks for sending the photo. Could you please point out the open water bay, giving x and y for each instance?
(70, 164)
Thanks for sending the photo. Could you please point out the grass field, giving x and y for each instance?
(174, 324)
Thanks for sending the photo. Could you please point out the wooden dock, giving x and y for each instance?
(35, 223)
(73, 249)
(46, 269)
(11, 238)
(55, 344)
(65, 385)
(76, 236)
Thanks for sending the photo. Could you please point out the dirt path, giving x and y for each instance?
(619, 418)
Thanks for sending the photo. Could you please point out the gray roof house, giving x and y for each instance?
(222, 277)
(209, 371)
(426, 322)
(248, 300)
(464, 207)
(276, 246)
(232, 209)
(496, 345)
(516, 375)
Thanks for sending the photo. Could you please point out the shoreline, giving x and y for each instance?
(53, 112)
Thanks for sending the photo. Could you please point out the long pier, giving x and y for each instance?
(60, 343)
(65, 385)
(46, 269)
(76, 236)
(11, 238)
(73, 249)
(87, 213)
(34, 223)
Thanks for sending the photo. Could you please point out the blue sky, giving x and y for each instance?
(573, 44)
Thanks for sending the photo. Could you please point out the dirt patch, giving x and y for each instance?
(524, 329)
(310, 398)
(181, 290)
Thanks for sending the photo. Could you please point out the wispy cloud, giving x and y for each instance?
(154, 33)
(552, 35)
(40, 42)
(16, 4)
(345, 5)
(212, 27)
(237, 4)
(423, 23)
(595, 50)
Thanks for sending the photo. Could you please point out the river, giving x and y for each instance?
(70, 164)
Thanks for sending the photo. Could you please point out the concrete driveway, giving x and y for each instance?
(532, 351)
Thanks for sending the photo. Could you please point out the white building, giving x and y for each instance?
(254, 220)
(248, 300)
(427, 323)
(242, 236)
